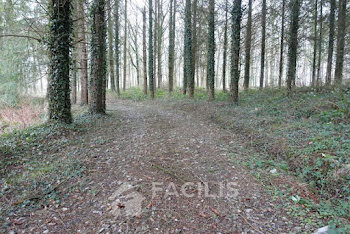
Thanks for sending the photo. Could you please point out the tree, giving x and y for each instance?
(281, 46)
(144, 51)
(194, 40)
(313, 77)
(125, 42)
(59, 47)
(293, 43)
(224, 60)
(188, 78)
(318, 79)
(110, 45)
(330, 42)
(83, 55)
(211, 50)
(263, 39)
(339, 63)
(117, 49)
(98, 58)
(171, 59)
(235, 49)
(248, 43)
(150, 50)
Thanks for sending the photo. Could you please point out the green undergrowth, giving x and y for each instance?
(36, 163)
(306, 136)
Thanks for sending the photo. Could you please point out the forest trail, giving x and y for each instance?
(143, 143)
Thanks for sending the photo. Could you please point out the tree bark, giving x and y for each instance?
(117, 46)
(338, 75)
(172, 44)
(150, 50)
(110, 45)
(235, 49)
(211, 50)
(282, 46)
(188, 78)
(125, 41)
(144, 51)
(313, 78)
(318, 79)
(330, 42)
(248, 43)
(263, 38)
(293, 43)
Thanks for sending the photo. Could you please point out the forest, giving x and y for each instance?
(175, 116)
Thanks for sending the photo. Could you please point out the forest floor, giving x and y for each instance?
(97, 175)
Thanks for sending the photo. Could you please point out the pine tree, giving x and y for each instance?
(188, 78)
(339, 63)
(59, 47)
(224, 63)
(98, 58)
(293, 43)
(263, 39)
(235, 49)
(248, 43)
(313, 76)
(211, 50)
(330, 42)
(281, 46)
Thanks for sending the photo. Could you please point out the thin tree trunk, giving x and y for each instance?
(84, 94)
(225, 49)
(338, 75)
(282, 46)
(172, 44)
(313, 78)
(248, 43)
(117, 46)
(144, 51)
(211, 50)
(159, 43)
(318, 80)
(194, 39)
(188, 52)
(125, 41)
(263, 38)
(110, 45)
(330, 42)
(150, 50)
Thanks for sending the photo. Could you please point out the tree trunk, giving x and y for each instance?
(150, 50)
(313, 78)
(144, 51)
(248, 43)
(263, 38)
(117, 49)
(172, 44)
(84, 94)
(194, 40)
(235, 49)
(318, 80)
(282, 46)
(159, 43)
(224, 63)
(211, 50)
(330, 42)
(339, 63)
(110, 45)
(293, 43)
(98, 58)
(188, 78)
(59, 47)
(125, 41)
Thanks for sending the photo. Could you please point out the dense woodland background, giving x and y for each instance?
(265, 26)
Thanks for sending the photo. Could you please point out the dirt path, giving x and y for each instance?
(146, 143)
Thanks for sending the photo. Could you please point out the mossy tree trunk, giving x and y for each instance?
(293, 43)
(59, 47)
(98, 58)
(235, 49)
(211, 50)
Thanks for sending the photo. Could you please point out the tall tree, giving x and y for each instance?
(188, 78)
(211, 50)
(110, 45)
(330, 42)
(339, 63)
(293, 43)
(83, 55)
(281, 46)
(263, 39)
(125, 41)
(318, 79)
(59, 48)
(159, 42)
(144, 51)
(171, 59)
(117, 46)
(248, 43)
(98, 58)
(235, 49)
(150, 50)
(224, 60)
(194, 39)
(313, 76)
